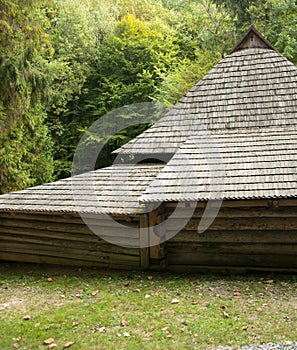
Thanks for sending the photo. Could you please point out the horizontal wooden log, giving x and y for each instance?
(240, 224)
(287, 202)
(240, 259)
(283, 212)
(69, 228)
(96, 221)
(98, 245)
(289, 237)
(73, 218)
(228, 269)
(71, 253)
(246, 203)
(229, 248)
(40, 259)
(50, 234)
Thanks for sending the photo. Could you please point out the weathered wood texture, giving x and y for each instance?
(240, 237)
(65, 239)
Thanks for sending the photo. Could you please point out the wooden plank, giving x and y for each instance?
(67, 220)
(241, 224)
(230, 248)
(242, 260)
(157, 238)
(144, 241)
(285, 212)
(228, 269)
(96, 245)
(50, 242)
(48, 217)
(287, 202)
(71, 253)
(40, 259)
(155, 245)
(247, 203)
(69, 228)
(50, 234)
(244, 236)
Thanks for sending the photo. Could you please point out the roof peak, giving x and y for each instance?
(253, 39)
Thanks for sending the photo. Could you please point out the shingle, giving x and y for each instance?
(255, 87)
(258, 164)
(116, 191)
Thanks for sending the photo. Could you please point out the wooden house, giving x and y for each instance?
(231, 144)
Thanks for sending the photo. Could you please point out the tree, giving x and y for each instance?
(25, 147)
(276, 19)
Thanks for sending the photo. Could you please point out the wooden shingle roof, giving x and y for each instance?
(230, 165)
(250, 88)
(233, 135)
(116, 191)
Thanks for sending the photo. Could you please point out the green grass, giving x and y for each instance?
(120, 310)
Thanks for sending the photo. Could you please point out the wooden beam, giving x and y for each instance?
(144, 241)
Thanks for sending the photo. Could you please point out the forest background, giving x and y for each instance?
(66, 63)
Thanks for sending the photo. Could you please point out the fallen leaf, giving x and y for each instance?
(52, 346)
(102, 330)
(174, 301)
(226, 315)
(126, 334)
(195, 302)
(169, 336)
(245, 328)
(265, 305)
(16, 345)
(37, 324)
(26, 318)
(127, 283)
(48, 341)
(74, 324)
(237, 292)
(50, 279)
(149, 277)
(124, 323)
(95, 293)
(147, 296)
(269, 281)
(68, 344)
(152, 328)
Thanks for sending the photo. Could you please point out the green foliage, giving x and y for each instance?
(24, 143)
(177, 83)
(277, 19)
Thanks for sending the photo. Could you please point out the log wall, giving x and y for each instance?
(248, 235)
(65, 239)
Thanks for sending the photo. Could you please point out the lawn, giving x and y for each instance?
(46, 307)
